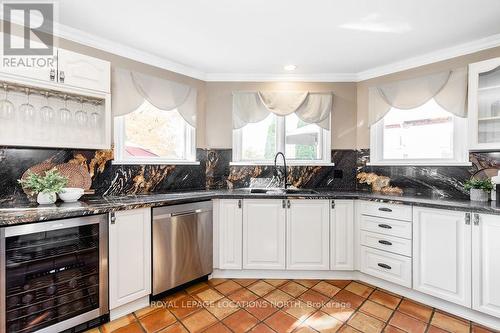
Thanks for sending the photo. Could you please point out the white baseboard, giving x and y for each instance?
(125, 309)
(452, 308)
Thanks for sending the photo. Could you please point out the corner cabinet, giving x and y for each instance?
(228, 234)
(264, 233)
(484, 105)
(342, 235)
(442, 254)
(129, 260)
(307, 234)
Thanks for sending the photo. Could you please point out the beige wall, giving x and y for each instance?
(363, 132)
(219, 109)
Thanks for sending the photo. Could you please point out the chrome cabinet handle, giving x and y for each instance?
(476, 219)
(467, 218)
(283, 203)
(385, 242)
(52, 74)
(112, 217)
(239, 203)
(384, 266)
(333, 204)
(62, 76)
(384, 209)
(385, 226)
(288, 204)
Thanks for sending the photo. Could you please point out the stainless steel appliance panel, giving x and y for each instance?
(182, 244)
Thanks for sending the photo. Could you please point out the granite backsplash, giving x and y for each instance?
(215, 172)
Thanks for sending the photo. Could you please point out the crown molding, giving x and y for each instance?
(431, 57)
(245, 77)
(103, 44)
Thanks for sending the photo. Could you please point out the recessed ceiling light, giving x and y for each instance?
(290, 68)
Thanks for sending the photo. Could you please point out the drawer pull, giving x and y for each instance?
(385, 242)
(384, 266)
(385, 209)
(385, 226)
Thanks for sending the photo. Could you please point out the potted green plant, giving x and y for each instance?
(46, 186)
(479, 189)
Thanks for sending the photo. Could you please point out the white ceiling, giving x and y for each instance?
(227, 39)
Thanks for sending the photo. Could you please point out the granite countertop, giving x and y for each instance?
(19, 213)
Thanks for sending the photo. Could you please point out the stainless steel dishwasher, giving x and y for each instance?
(182, 244)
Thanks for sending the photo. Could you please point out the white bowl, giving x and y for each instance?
(70, 194)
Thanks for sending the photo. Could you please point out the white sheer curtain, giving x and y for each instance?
(310, 107)
(449, 90)
(131, 89)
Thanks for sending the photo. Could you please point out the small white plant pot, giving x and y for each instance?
(46, 198)
(479, 195)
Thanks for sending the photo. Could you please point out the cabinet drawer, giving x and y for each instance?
(392, 211)
(385, 226)
(386, 243)
(387, 266)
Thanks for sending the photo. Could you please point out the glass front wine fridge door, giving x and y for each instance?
(52, 275)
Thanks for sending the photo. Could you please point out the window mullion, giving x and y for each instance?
(281, 134)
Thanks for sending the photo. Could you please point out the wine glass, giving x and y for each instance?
(64, 112)
(6, 106)
(47, 112)
(94, 116)
(81, 115)
(27, 109)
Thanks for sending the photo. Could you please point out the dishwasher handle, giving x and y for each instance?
(191, 212)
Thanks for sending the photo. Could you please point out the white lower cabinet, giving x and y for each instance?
(307, 234)
(486, 264)
(342, 235)
(442, 254)
(264, 233)
(387, 266)
(230, 233)
(129, 258)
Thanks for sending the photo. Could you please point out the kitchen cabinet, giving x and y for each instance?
(129, 257)
(442, 254)
(342, 235)
(484, 105)
(81, 71)
(229, 222)
(485, 263)
(264, 233)
(307, 234)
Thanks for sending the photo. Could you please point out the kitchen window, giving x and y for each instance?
(149, 135)
(302, 143)
(426, 135)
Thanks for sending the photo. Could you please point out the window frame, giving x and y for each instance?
(325, 146)
(119, 156)
(460, 148)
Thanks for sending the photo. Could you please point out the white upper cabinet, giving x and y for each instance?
(264, 233)
(129, 256)
(484, 105)
(81, 71)
(442, 254)
(229, 223)
(342, 235)
(485, 263)
(308, 225)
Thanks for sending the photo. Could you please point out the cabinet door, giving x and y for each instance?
(129, 256)
(230, 224)
(484, 104)
(485, 264)
(34, 66)
(82, 71)
(264, 234)
(307, 231)
(442, 254)
(342, 235)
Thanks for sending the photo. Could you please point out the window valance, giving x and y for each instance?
(310, 107)
(449, 90)
(131, 89)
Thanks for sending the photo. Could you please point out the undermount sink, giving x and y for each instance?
(282, 190)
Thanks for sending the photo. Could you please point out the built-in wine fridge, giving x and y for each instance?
(54, 275)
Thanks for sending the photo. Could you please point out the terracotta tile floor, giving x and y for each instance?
(246, 305)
